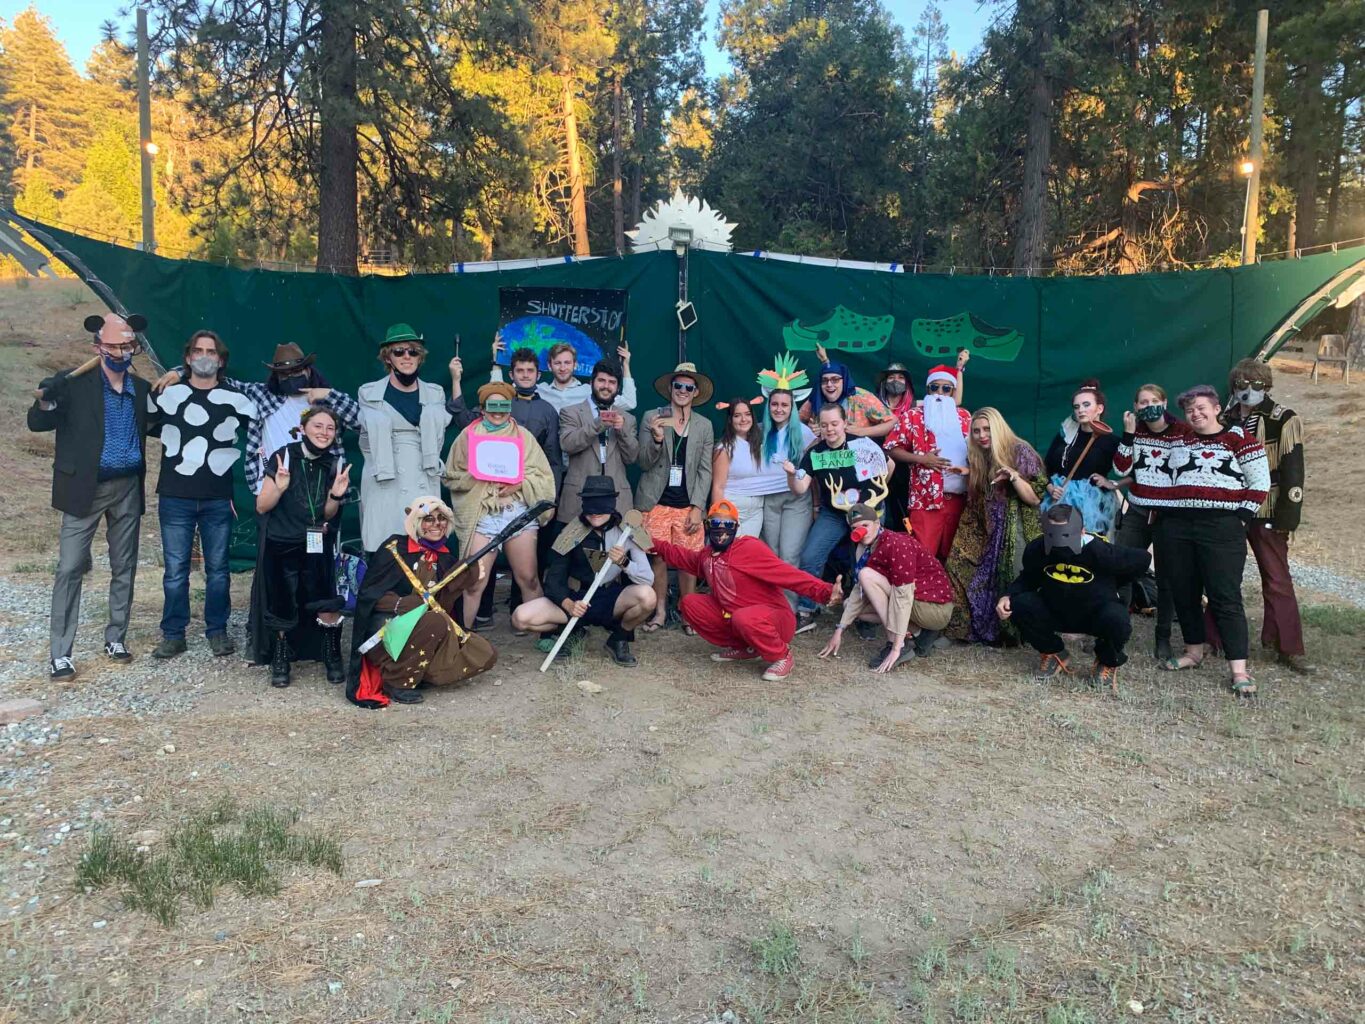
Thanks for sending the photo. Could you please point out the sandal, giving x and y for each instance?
(1243, 686)
(651, 626)
(1184, 663)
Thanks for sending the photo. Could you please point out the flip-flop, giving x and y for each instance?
(1181, 664)
(651, 626)
(1244, 686)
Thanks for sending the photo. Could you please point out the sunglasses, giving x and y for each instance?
(1239, 384)
(684, 386)
(722, 524)
(941, 389)
(406, 350)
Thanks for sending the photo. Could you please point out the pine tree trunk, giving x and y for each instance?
(578, 199)
(338, 217)
(1355, 335)
(618, 213)
(1303, 155)
(638, 182)
(32, 136)
(1030, 229)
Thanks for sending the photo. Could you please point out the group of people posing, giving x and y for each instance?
(936, 523)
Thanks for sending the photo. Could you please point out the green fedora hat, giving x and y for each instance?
(397, 333)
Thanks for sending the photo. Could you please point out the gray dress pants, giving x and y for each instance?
(118, 502)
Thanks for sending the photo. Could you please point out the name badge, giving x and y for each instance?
(313, 540)
(675, 476)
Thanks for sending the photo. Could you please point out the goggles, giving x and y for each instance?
(721, 524)
(497, 405)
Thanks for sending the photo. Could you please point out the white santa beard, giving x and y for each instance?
(940, 416)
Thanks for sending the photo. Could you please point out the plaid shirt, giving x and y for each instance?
(267, 404)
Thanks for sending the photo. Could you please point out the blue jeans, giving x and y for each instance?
(179, 518)
(830, 527)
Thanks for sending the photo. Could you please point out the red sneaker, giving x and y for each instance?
(734, 654)
(779, 670)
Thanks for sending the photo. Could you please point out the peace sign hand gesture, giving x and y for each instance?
(282, 470)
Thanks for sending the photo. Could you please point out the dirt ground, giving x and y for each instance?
(950, 843)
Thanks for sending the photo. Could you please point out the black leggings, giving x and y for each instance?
(1205, 553)
(296, 583)
(1135, 532)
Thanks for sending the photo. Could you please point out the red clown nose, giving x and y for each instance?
(859, 533)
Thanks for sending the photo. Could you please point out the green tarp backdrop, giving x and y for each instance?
(1032, 339)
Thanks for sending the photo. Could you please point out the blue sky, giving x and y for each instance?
(78, 23)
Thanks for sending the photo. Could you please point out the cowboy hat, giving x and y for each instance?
(290, 357)
(663, 384)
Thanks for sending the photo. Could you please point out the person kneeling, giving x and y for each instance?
(745, 614)
(1069, 584)
(597, 543)
(406, 573)
(899, 584)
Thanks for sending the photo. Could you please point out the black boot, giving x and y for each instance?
(331, 653)
(620, 652)
(403, 696)
(279, 661)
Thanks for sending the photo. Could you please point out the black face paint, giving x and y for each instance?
(720, 533)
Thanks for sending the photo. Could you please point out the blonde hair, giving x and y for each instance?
(982, 463)
(1155, 389)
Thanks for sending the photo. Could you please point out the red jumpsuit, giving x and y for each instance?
(746, 606)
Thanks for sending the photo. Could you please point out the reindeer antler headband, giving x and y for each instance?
(880, 489)
(785, 375)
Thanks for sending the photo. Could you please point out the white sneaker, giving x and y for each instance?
(63, 668)
(114, 650)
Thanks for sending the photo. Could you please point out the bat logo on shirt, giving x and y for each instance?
(1064, 572)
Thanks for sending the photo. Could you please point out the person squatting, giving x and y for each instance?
(930, 524)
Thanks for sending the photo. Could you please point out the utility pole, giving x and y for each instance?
(1251, 218)
(146, 147)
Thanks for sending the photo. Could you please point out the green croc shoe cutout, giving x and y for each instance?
(938, 339)
(843, 330)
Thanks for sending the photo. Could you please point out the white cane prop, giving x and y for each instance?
(587, 599)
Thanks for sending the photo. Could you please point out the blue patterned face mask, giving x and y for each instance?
(1151, 413)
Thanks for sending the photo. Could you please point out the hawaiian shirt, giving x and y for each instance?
(926, 485)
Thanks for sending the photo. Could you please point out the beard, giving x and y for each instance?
(940, 416)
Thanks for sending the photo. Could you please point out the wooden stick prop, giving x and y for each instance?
(84, 368)
(587, 599)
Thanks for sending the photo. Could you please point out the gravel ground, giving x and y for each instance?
(1322, 581)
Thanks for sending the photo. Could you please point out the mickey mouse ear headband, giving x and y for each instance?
(129, 326)
(785, 375)
(756, 400)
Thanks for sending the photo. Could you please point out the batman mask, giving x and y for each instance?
(720, 533)
(1065, 537)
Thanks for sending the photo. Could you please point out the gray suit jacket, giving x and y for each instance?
(655, 458)
(578, 431)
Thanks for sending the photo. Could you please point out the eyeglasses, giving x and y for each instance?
(831, 380)
(121, 350)
(406, 350)
(433, 520)
(939, 388)
(684, 386)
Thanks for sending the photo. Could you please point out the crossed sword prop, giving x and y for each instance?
(634, 524)
(428, 594)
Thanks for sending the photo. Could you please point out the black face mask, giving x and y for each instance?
(310, 448)
(292, 385)
(1064, 538)
(526, 392)
(720, 534)
(406, 379)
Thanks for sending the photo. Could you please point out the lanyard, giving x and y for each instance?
(307, 492)
(679, 440)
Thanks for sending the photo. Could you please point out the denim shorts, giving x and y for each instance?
(492, 523)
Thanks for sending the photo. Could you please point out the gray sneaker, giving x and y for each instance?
(221, 644)
(169, 648)
(805, 621)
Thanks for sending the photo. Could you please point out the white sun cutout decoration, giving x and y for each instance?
(710, 230)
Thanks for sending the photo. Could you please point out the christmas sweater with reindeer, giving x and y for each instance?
(1181, 470)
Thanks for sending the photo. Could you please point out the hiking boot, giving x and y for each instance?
(734, 654)
(63, 669)
(221, 645)
(1050, 666)
(279, 662)
(780, 669)
(866, 630)
(620, 653)
(1163, 649)
(805, 621)
(880, 656)
(331, 654)
(1297, 663)
(925, 640)
(403, 696)
(1105, 677)
(170, 648)
(907, 654)
(114, 650)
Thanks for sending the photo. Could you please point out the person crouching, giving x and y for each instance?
(745, 614)
(900, 584)
(399, 578)
(1069, 584)
(626, 595)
